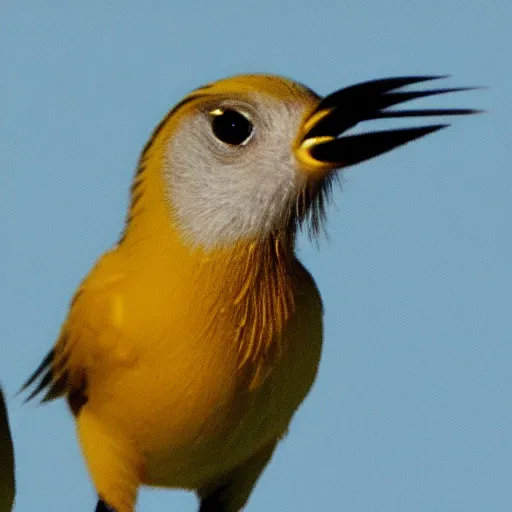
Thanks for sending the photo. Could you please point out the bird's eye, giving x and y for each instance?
(230, 126)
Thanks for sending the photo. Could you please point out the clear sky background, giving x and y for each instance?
(412, 407)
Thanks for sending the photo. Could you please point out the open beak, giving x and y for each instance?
(322, 145)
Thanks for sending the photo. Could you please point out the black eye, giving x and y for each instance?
(230, 126)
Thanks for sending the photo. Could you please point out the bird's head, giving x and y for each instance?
(254, 155)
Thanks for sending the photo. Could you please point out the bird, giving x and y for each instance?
(7, 484)
(192, 342)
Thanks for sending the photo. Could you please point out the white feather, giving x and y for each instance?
(220, 193)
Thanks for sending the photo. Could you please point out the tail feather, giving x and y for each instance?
(48, 378)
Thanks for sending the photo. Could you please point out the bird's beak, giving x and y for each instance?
(322, 145)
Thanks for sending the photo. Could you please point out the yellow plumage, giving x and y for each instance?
(189, 346)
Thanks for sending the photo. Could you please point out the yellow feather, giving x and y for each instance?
(187, 350)
(181, 363)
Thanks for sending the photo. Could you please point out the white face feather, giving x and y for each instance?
(221, 193)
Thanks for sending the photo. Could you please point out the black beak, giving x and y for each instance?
(322, 141)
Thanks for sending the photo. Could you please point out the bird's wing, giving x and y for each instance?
(7, 486)
(85, 337)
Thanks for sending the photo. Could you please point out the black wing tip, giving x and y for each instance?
(43, 383)
(42, 372)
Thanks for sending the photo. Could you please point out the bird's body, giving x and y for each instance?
(190, 345)
(171, 386)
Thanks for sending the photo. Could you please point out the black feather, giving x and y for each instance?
(43, 367)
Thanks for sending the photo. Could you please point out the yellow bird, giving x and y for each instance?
(6, 460)
(191, 344)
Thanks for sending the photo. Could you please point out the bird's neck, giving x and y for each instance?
(257, 297)
(238, 299)
(246, 290)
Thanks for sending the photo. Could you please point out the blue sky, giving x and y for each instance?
(411, 410)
